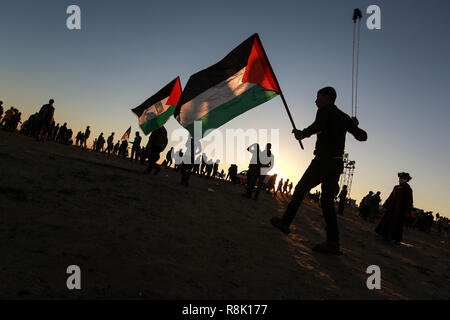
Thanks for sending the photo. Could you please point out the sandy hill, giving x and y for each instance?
(137, 236)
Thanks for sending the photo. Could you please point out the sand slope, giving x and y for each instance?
(147, 237)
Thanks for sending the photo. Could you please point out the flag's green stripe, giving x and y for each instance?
(157, 122)
(231, 109)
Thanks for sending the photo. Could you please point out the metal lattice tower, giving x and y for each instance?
(347, 176)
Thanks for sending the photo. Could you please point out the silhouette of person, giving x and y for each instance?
(216, 169)
(123, 149)
(116, 148)
(110, 143)
(87, 133)
(193, 147)
(374, 212)
(45, 117)
(400, 202)
(100, 142)
(62, 133)
(342, 197)
(280, 187)
(136, 146)
(271, 183)
(156, 144)
(285, 187)
(365, 205)
(169, 157)
(331, 126)
(260, 163)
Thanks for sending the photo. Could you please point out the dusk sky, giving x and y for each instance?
(127, 50)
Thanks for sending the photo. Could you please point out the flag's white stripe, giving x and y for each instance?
(213, 98)
(152, 112)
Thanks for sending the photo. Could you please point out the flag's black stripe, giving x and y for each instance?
(210, 77)
(160, 95)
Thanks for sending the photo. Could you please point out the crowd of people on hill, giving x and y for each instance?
(10, 120)
(393, 216)
(40, 125)
(413, 218)
(369, 207)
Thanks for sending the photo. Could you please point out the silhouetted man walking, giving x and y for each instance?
(45, 119)
(342, 198)
(87, 133)
(331, 126)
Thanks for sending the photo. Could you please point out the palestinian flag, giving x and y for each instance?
(126, 135)
(239, 82)
(156, 110)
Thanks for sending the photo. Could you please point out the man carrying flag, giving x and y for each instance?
(153, 113)
(331, 125)
(239, 82)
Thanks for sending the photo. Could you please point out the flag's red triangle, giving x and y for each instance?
(175, 94)
(258, 68)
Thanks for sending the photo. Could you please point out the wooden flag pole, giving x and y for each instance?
(290, 116)
(278, 85)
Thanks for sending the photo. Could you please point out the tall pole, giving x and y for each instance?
(278, 85)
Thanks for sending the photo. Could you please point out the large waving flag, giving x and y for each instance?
(234, 85)
(156, 110)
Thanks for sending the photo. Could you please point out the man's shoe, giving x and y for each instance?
(278, 223)
(328, 247)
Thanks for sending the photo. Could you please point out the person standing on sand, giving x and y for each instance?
(156, 144)
(87, 133)
(342, 197)
(45, 119)
(116, 148)
(169, 158)
(399, 203)
(285, 187)
(271, 184)
(331, 126)
(364, 206)
(136, 146)
(260, 163)
(280, 187)
(193, 147)
(110, 143)
(375, 206)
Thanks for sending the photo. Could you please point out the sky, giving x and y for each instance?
(127, 50)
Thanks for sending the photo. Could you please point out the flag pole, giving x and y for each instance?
(278, 85)
(290, 116)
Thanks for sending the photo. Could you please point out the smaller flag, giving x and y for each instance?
(126, 135)
(156, 110)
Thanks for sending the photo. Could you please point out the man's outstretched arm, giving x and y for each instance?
(316, 127)
(357, 132)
